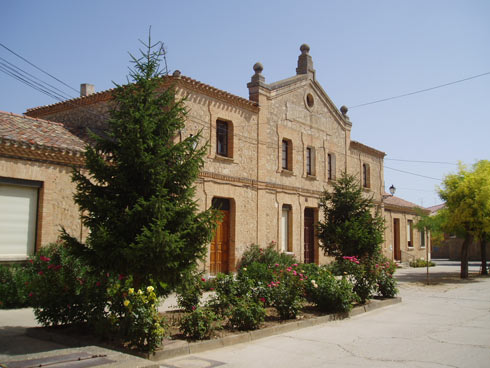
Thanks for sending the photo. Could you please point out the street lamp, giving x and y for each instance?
(392, 190)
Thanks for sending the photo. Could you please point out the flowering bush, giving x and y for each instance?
(268, 256)
(134, 316)
(287, 291)
(362, 275)
(198, 324)
(329, 294)
(189, 293)
(246, 314)
(62, 290)
(385, 281)
(13, 286)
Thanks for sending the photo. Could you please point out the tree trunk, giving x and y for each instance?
(483, 254)
(464, 256)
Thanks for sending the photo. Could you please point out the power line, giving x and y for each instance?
(420, 91)
(422, 162)
(411, 173)
(38, 68)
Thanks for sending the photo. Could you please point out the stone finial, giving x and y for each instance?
(86, 89)
(257, 78)
(343, 110)
(258, 67)
(176, 74)
(305, 62)
(305, 49)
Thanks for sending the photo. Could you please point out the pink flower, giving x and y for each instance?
(277, 265)
(97, 283)
(211, 289)
(262, 300)
(40, 273)
(295, 273)
(31, 294)
(295, 265)
(193, 307)
(45, 259)
(203, 279)
(31, 261)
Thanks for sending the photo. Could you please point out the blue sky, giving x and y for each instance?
(362, 51)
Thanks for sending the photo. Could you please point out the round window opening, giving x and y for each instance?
(309, 100)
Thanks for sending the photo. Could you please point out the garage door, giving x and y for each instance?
(18, 217)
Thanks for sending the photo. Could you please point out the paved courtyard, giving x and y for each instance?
(443, 324)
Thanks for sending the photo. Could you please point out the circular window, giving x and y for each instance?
(309, 100)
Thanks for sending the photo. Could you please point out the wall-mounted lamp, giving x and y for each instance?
(194, 145)
(392, 192)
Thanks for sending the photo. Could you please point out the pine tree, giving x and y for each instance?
(349, 228)
(137, 189)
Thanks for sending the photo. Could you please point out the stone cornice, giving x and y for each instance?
(366, 149)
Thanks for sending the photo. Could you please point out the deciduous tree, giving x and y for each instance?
(467, 197)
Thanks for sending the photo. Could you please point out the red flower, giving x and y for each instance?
(120, 277)
(40, 273)
(31, 294)
(211, 289)
(45, 259)
(203, 279)
(31, 261)
(262, 300)
(97, 283)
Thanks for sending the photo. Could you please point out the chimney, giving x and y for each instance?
(86, 89)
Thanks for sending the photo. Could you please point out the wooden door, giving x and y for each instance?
(220, 246)
(309, 235)
(396, 240)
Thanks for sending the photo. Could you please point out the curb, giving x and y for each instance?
(179, 348)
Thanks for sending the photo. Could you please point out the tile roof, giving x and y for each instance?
(397, 202)
(434, 209)
(181, 81)
(37, 133)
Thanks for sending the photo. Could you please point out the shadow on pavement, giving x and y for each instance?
(13, 341)
(436, 278)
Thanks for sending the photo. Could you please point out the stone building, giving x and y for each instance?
(36, 192)
(269, 157)
(403, 241)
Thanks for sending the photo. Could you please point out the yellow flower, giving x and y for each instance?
(150, 289)
(131, 291)
(126, 303)
(140, 292)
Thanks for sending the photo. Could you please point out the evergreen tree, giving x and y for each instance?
(136, 192)
(349, 227)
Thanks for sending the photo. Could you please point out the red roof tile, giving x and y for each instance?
(37, 133)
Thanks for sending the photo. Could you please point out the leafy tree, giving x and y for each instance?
(351, 226)
(137, 190)
(467, 197)
(433, 223)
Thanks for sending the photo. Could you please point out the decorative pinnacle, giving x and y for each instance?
(258, 68)
(305, 49)
(343, 110)
(176, 73)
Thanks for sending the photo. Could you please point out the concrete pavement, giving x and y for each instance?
(445, 324)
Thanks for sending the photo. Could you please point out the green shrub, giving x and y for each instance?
(14, 281)
(421, 263)
(246, 314)
(385, 280)
(362, 274)
(198, 324)
(62, 290)
(269, 256)
(287, 291)
(189, 293)
(329, 294)
(134, 316)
